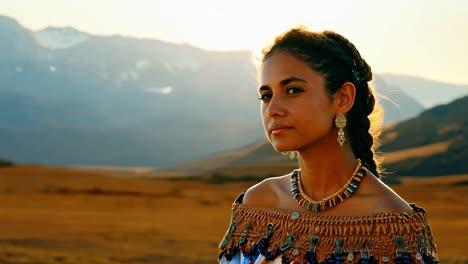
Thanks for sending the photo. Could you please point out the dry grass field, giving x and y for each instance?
(423, 151)
(57, 215)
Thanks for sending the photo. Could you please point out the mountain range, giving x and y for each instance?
(69, 97)
(433, 143)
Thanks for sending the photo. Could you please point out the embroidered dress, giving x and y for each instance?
(271, 235)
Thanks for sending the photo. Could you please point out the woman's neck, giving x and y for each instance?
(325, 168)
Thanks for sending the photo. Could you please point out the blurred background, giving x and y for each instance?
(127, 128)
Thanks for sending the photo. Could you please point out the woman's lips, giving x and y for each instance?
(278, 131)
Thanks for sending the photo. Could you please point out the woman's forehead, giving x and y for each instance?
(282, 65)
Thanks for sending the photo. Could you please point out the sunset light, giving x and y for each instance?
(409, 37)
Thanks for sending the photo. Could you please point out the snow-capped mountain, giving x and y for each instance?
(60, 38)
(68, 97)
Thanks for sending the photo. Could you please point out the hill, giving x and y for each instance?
(433, 143)
(5, 163)
(443, 128)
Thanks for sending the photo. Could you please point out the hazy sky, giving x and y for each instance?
(423, 38)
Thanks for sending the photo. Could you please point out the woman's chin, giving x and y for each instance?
(283, 148)
(283, 145)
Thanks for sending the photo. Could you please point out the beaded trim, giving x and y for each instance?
(302, 237)
(332, 200)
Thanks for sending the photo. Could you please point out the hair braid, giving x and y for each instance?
(360, 138)
(359, 125)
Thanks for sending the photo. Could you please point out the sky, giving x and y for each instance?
(427, 38)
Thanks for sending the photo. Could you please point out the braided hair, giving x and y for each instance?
(338, 61)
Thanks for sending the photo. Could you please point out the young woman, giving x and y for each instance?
(316, 102)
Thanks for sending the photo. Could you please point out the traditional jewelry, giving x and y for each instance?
(291, 154)
(357, 75)
(332, 200)
(340, 122)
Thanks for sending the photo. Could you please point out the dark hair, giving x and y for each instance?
(338, 60)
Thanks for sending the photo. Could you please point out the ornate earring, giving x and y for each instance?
(292, 154)
(340, 122)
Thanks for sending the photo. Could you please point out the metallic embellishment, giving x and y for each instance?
(339, 243)
(385, 258)
(228, 236)
(271, 248)
(269, 229)
(223, 244)
(356, 75)
(243, 237)
(295, 215)
(418, 256)
(317, 207)
(340, 123)
(296, 252)
(313, 243)
(350, 256)
(291, 154)
(288, 243)
(401, 247)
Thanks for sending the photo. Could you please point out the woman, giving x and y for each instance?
(316, 102)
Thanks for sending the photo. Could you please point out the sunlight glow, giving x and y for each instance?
(163, 90)
(421, 38)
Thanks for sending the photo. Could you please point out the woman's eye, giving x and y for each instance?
(293, 90)
(264, 97)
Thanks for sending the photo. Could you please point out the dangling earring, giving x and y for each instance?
(292, 154)
(340, 122)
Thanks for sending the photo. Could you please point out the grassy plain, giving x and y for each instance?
(57, 215)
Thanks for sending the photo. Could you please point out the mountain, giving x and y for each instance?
(60, 38)
(428, 92)
(82, 99)
(397, 104)
(433, 143)
(148, 145)
(69, 97)
(17, 45)
(436, 141)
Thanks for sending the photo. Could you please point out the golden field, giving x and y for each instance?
(58, 215)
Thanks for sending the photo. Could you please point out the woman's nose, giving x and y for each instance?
(275, 107)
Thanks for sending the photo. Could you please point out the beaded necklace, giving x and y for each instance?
(331, 200)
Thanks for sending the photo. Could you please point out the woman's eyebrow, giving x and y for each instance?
(292, 79)
(283, 82)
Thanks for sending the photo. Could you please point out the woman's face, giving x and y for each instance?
(296, 109)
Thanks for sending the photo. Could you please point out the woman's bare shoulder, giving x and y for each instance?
(387, 200)
(265, 193)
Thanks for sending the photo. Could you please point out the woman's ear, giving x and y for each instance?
(344, 97)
